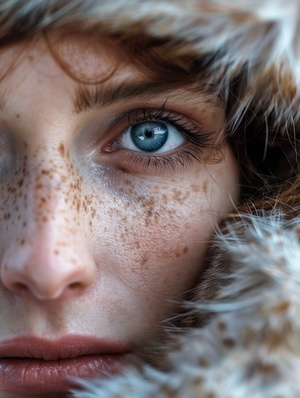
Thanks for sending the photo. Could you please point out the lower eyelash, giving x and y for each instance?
(171, 163)
(194, 134)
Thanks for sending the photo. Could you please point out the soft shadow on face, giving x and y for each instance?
(99, 238)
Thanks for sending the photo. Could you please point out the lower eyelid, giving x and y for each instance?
(136, 163)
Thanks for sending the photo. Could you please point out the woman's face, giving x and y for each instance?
(109, 194)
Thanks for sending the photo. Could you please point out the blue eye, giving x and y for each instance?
(149, 136)
(152, 136)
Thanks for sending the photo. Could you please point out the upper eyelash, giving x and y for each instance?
(194, 133)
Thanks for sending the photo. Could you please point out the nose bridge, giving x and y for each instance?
(48, 255)
(52, 182)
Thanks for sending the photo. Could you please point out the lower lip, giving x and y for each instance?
(36, 376)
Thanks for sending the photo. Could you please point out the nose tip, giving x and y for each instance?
(46, 274)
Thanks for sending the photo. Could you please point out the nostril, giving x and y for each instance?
(38, 272)
(20, 287)
(75, 285)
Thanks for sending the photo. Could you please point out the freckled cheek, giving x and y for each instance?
(154, 243)
(175, 251)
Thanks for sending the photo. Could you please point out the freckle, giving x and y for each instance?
(61, 149)
(56, 252)
(204, 187)
(228, 342)
(177, 254)
(128, 182)
(11, 190)
(123, 169)
(144, 260)
(195, 187)
(17, 116)
(185, 250)
(44, 218)
(221, 325)
(149, 213)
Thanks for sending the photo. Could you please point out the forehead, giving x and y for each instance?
(76, 57)
(92, 72)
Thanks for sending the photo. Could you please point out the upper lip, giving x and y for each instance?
(67, 347)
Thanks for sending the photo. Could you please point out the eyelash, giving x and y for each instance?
(193, 133)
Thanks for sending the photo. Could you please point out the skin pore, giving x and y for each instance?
(99, 237)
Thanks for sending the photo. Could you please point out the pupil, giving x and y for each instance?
(149, 136)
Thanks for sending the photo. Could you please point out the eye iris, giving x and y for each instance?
(149, 136)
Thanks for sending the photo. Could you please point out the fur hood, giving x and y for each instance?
(257, 39)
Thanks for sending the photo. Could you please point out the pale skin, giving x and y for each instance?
(94, 241)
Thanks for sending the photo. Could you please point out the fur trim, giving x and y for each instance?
(250, 348)
(259, 39)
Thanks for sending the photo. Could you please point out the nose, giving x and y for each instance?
(46, 271)
(50, 257)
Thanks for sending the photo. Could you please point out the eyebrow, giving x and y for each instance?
(92, 96)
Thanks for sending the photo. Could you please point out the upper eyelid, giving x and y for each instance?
(166, 115)
(129, 118)
(195, 133)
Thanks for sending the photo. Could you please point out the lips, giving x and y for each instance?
(34, 366)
